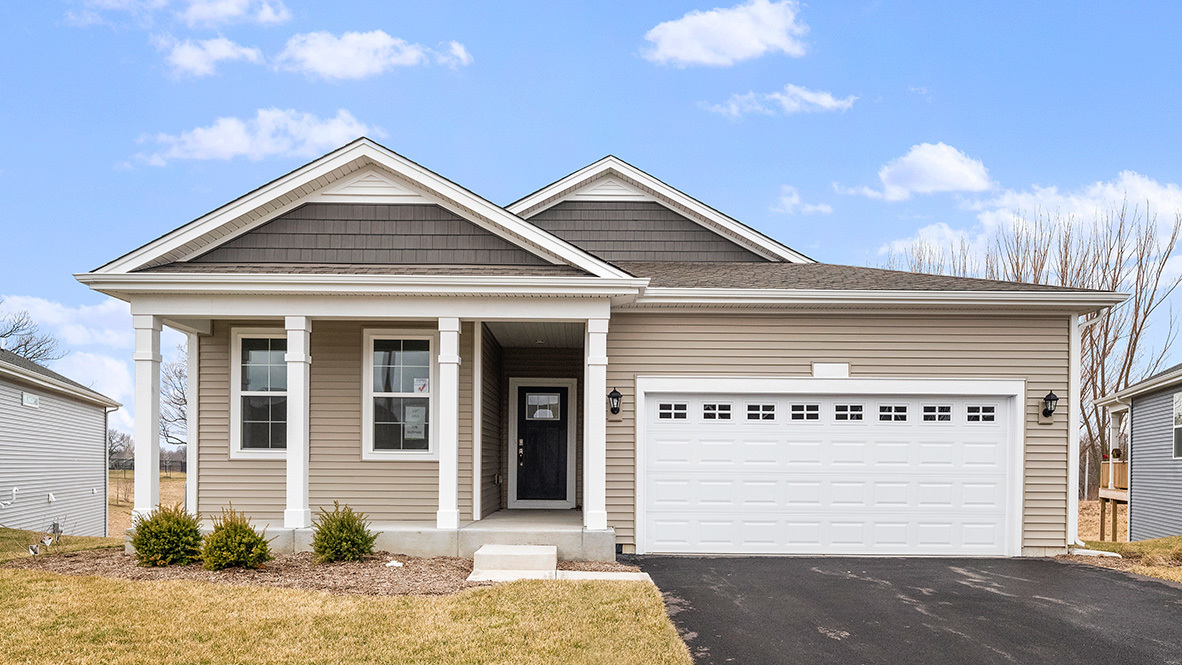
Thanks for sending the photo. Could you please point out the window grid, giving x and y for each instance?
(672, 411)
(716, 411)
(896, 413)
(982, 413)
(401, 394)
(804, 412)
(847, 412)
(263, 393)
(761, 412)
(937, 413)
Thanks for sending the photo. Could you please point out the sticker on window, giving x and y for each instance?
(422, 385)
(415, 427)
(542, 406)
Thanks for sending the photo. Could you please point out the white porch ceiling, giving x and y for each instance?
(538, 334)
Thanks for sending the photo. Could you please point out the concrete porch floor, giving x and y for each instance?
(560, 528)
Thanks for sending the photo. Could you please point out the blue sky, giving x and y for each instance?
(837, 128)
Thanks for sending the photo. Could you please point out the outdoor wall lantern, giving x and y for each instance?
(613, 401)
(1048, 404)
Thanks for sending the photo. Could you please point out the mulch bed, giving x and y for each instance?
(416, 577)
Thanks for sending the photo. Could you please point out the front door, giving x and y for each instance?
(541, 451)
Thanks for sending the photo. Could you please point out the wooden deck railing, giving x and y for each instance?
(1114, 475)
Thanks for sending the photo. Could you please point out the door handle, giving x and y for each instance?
(521, 452)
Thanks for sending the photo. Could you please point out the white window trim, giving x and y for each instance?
(982, 421)
(849, 421)
(236, 450)
(772, 403)
(805, 413)
(1173, 429)
(367, 450)
(673, 410)
(906, 412)
(951, 414)
(730, 412)
(1013, 391)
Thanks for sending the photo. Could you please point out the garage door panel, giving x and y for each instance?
(826, 487)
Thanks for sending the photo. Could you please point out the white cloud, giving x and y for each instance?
(790, 203)
(792, 99)
(106, 324)
(454, 56)
(200, 58)
(272, 132)
(109, 375)
(927, 168)
(218, 12)
(353, 55)
(721, 37)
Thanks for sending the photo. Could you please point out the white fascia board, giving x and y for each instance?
(50, 383)
(757, 242)
(1122, 397)
(549, 245)
(706, 384)
(1081, 301)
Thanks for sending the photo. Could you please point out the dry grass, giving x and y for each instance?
(47, 618)
(1089, 522)
(14, 543)
(121, 493)
(1160, 557)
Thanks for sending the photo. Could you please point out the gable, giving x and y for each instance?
(370, 233)
(636, 230)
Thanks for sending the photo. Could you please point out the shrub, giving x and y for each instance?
(234, 543)
(167, 536)
(341, 535)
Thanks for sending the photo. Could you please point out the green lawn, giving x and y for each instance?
(15, 543)
(1160, 557)
(47, 618)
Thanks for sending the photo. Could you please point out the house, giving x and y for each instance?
(1150, 480)
(607, 363)
(53, 450)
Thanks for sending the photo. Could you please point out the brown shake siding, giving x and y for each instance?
(1034, 348)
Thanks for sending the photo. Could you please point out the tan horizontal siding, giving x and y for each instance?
(1034, 348)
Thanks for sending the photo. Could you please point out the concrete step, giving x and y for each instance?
(493, 557)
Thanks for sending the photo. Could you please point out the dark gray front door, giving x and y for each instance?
(541, 443)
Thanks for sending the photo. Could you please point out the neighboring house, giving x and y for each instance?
(53, 450)
(365, 330)
(1150, 412)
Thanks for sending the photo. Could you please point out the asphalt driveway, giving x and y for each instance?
(764, 610)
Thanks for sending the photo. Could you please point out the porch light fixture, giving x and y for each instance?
(613, 401)
(1048, 404)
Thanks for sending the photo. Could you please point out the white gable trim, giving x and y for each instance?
(607, 188)
(349, 158)
(633, 178)
(369, 186)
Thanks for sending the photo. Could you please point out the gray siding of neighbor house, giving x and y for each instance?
(637, 231)
(1155, 477)
(370, 233)
(60, 447)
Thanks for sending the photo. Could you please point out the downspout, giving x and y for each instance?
(1074, 418)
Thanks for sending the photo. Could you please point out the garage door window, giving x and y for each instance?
(805, 412)
(672, 411)
(716, 411)
(892, 413)
(761, 412)
(847, 412)
(981, 414)
(937, 413)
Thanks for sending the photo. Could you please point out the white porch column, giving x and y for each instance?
(297, 514)
(447, 424)
(147, 412)
(595, 426)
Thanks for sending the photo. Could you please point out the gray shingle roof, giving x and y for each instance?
(26, 364)
(765, 275)
(368, 269)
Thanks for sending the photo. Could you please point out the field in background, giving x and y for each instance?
(1089, 522)
(122, 494)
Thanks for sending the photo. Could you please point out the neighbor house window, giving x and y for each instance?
(981, 414)
(845, 412)
(937, 413)
(258, 401)
(716, 412)
(398, 408)
(1178, 425)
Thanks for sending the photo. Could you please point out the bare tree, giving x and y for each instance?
(21, 335)
(119, 444)
(174, 399)
(1123, 250)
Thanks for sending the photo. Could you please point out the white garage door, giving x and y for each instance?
(874, 475)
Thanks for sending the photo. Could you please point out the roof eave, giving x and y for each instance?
(51, 383)
(1072, 301)
(1150, 385)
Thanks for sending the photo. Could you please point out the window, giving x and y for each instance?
(398, 409)
(716, 412)
(761, 412)
(937, 413)
(29, 399)
(844, 412)
(672, 411)
(258, 400)
(542, 406)
(804, 412)
(981, 414)
(1177, 425)
(892, 413)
